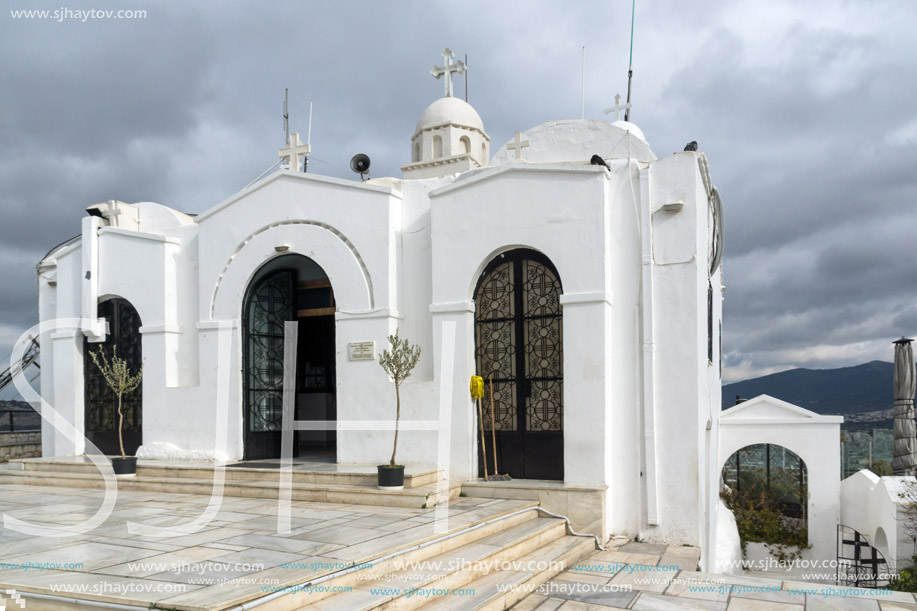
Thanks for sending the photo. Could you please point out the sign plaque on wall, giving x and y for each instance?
(362, 351)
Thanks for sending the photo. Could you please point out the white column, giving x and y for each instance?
(67, 359)
(463, 451)
(89, 279)
(587, 402)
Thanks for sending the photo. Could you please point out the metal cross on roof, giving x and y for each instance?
(517, 145)
(618, 107)
(447, 69)
(294, 150)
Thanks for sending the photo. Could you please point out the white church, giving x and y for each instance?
(590, 293)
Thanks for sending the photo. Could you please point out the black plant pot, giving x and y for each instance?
(391, 478)
(124, 466)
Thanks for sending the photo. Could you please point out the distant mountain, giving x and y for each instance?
(848, 390)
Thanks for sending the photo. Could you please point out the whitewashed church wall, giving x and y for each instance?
(625, 495)
(462, 435)
(681, 364)
(710, 449)
(47, 309)
(415, 283)
(362, 270)
(66, 357)
(340, 210)
(510, 207)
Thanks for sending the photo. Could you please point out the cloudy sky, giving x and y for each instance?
(805, 110)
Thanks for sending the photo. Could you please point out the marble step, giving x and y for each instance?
(419, 497)
(503, 589)
(414, 477)
(492, 521)
(413, 587)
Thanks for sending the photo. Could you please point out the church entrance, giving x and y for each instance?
(519, 344)
(291, 287)
(101, 404)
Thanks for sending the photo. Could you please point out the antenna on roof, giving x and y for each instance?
(286, 114)
(630, 63)
(582, 114)
(305, 162)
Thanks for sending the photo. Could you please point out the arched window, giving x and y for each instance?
(484, 158)
(465, 141)
(437, 147)
(416, 152)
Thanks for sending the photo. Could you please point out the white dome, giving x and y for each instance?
(450, 110)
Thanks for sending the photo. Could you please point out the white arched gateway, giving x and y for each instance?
(813, 438)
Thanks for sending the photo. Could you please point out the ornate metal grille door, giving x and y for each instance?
(101, 420)
(270, 303)
(519, 342)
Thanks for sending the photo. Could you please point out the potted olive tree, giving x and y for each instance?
(118, 376)
(398, 364)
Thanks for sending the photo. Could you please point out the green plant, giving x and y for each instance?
(118, 376)
(398, 364)
(881, 467)
(906, 580)
(759, 513)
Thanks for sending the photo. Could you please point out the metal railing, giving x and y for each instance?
(8, 419)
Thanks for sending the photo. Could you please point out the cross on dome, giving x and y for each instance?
(112, 212)
(618, 107)
(294, 150)
(517, 145)
(447, 69)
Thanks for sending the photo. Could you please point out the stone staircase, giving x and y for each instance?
(489, 568)
(355, 486)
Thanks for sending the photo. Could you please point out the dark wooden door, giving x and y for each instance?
(101, 408)
(269, 304)
(519, 345)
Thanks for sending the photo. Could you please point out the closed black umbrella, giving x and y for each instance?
(905, 449)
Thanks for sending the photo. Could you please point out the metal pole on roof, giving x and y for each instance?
(630, 62)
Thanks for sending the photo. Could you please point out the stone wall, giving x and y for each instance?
(20, 445)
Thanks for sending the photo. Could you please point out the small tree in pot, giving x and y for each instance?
(118, 376)
(398, 364)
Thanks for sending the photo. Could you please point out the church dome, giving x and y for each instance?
(450, 110)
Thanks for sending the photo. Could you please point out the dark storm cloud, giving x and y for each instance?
(804, 110)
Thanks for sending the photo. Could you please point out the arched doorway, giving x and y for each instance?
(519, 344)
(289, 288)
(101, 404)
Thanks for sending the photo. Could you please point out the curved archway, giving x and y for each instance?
(518, 333)
(880, 541)
(324, 243)
(288, 288)
(101, 404)
(770, 482)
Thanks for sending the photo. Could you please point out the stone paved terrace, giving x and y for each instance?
(239, 553)
(655, 577)
(215, 568)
